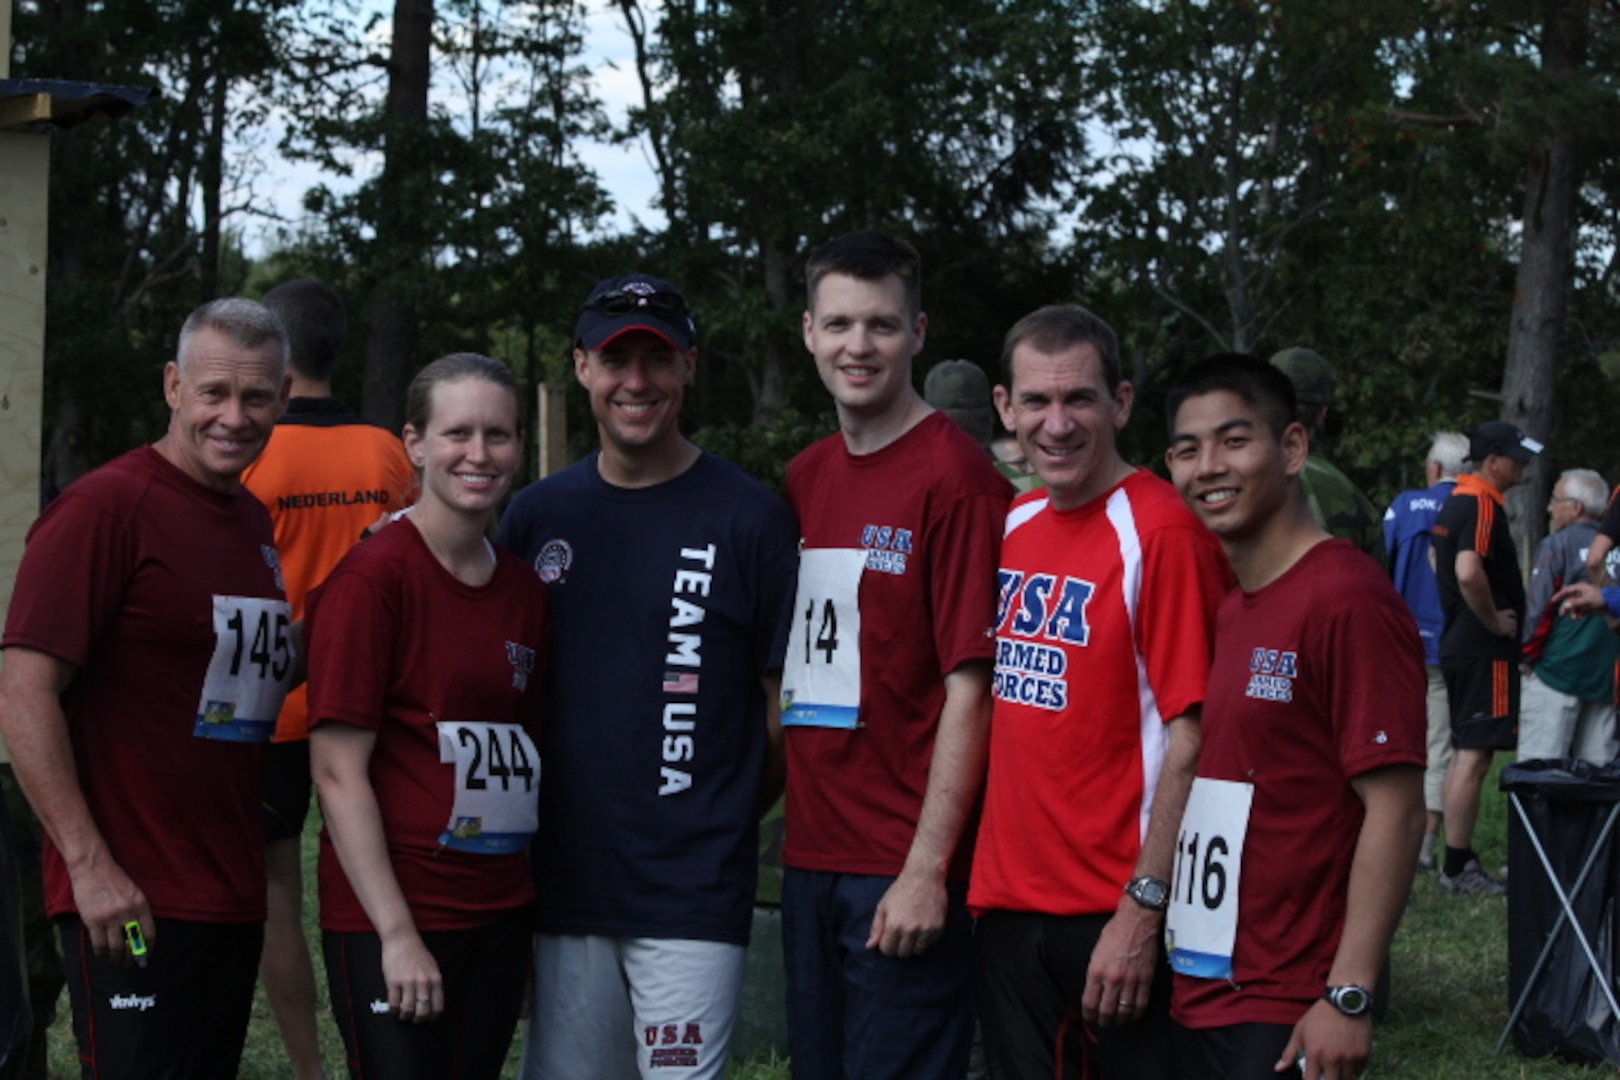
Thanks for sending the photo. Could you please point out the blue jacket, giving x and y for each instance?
(1408, 532)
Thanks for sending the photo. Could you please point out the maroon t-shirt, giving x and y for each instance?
(396, 645)
(929, 509)
(121, 579)
(1318, 678)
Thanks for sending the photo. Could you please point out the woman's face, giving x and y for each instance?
(470, 448)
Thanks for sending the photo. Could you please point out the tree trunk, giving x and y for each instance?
(391, 343)
(1540, 293)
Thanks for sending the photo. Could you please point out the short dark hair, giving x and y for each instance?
(869, 256)
(1057, 327)
(315, 323)
(1261, 386)
(455, 368)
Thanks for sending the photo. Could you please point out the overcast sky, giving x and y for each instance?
(624, 170)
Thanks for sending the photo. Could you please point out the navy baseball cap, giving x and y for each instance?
(1501, 437)
(634, 302)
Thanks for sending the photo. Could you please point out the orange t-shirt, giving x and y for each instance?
(325, 476)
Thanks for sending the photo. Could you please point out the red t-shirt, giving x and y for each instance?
(928, 508)
(120, 579)
(1105, 632)
(397, 644)
(1318, 678)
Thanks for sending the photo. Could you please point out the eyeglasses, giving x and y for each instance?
(666, 305)
(1556, 499)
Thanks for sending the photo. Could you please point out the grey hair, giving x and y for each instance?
(1448, 450)
(1588, 488)
(248, 323)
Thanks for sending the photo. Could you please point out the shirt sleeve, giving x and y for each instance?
(964, 553)
(70, 583)
(1371, 661)
(1184, 578)
(350, 633)
(777, 576)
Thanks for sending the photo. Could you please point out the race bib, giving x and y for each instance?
(497, 804)
(249, 672)
(1202, 923)
(821, 677)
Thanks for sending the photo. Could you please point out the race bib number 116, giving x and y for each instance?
(1202, 923)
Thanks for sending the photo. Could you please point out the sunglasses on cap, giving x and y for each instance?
(667, 305)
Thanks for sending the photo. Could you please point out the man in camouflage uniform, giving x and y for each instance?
(1336, 503)
(961, 390)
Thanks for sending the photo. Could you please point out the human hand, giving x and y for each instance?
(1335, 1046)
(1119, 979)
(107, 900)
(1580, 600)
(910, 917)
(415, 988)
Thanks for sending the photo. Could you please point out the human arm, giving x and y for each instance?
(1475, 588)
(1597, 555)
(36, 733)
(1120, 975)
(911, 915)
(1337, 1046)
(340, 757)
(1545, 580)
(774, 778)
(1584, 599)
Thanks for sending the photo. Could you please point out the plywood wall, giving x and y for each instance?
(24, 172)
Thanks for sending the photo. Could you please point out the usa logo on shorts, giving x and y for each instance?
(552, 564)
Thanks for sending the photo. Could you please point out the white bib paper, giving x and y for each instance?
(248, 674)
(821, 678)
(1202, 923)
(497, 805)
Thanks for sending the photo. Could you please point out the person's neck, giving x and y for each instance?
(1268, 554)
(645, 469)
(460, 541)
(304, 387)
(864, 434)
(1108, 477)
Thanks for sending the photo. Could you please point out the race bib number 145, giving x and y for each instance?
(249, 671)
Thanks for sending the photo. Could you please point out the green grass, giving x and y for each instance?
(1447, 1010)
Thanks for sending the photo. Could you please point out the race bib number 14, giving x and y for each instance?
(821, 678)
(1202, 923)
(249, 671)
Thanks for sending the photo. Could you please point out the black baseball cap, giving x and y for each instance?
(634, 302)
(1501, 437)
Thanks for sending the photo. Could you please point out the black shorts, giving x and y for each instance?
(1484, 699)
(287, 786)
(1030, 976)
(1234, 1052)
(485, 972)
(184, 1015)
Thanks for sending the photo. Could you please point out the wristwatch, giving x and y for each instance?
(1350, 999)
(1151, 892)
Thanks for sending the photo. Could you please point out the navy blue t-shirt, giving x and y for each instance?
(669, 605)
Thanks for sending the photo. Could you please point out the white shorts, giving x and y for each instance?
(622, 1008)
(1553, 724)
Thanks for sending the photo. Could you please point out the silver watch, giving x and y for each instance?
(1151, 892)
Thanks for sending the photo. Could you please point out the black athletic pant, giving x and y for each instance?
(485, 972)
(1030, 976)
(182, 1016)
(1236, 1052)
